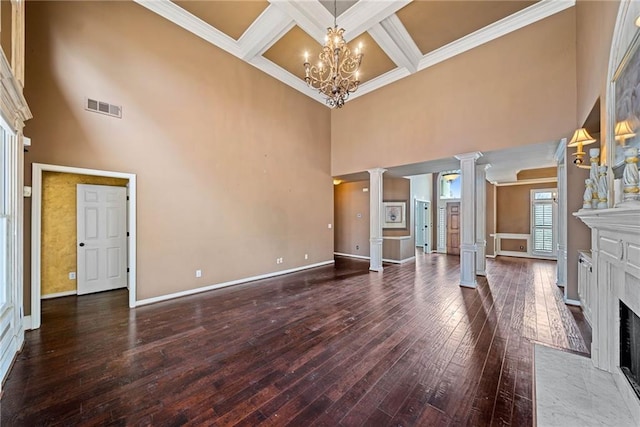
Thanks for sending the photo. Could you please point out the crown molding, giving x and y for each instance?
(366, 15)
(380, 81)
(286, 77)
(530, 15)
(272, 24)
(525, 182)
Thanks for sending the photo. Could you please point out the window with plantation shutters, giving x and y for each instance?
(542, 221)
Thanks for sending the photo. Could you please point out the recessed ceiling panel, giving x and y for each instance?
(375, 62)
(288, 53)
(341, 6)
(231, 17)
(433, 24)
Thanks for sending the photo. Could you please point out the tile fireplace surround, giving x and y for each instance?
(615, 247)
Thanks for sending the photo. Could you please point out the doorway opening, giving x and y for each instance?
(37, 231)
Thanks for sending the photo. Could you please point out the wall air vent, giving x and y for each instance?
(103, 108)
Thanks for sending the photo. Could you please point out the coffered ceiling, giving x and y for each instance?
(399, 37)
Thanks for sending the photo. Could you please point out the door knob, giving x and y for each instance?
(81, 244)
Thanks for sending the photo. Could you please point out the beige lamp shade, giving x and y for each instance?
(581, 137)
(623, 130)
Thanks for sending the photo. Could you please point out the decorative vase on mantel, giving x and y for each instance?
(630, 176)
(594, 174)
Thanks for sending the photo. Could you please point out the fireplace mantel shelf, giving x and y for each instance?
(625, 218)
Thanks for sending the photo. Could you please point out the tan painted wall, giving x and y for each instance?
(551, 172)
(595, 21)
(6, 23)
(59, 231)
(352, 231)
(233, 167)
(516, 90)
(513, 213)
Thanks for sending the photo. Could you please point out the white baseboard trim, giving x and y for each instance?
(26, 323)
(390, 261)
(231, 283)
(59, 294)
(469, 285)
(560, 284)
(402, 261)
(491, 256)
(352, 256)
(573, 302)
(524, 255)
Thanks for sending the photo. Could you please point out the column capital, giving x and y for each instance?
(376, 171)
(475, 155)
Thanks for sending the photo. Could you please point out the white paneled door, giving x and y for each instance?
(102, 238)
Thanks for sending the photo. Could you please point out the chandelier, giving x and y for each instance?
(336, 74)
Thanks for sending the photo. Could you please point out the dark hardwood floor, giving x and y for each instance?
(326, 347)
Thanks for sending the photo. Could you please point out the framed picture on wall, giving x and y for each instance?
(394, 214)
(627, 104)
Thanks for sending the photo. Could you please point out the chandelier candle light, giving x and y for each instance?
(336, 74)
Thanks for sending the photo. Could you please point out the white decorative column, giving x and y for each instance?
(375, 215)
(481, 220)
(468, 219)
(561, 269)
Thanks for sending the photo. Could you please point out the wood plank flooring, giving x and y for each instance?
(326, 347)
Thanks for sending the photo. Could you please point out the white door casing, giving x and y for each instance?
(102, 238)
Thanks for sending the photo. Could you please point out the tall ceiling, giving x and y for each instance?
(399, 37)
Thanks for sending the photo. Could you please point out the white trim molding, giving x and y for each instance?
(230, 283)
(36, 230)
(378, 18)
(59, 295)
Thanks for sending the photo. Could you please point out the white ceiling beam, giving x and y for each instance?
(394, 39)
(191, 23)
(267, 29)
(311, 16)
(365, 14)
(378, 82)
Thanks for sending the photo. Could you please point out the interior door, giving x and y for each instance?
(426, 220)
(419, 224)
(453, 228)
(102, 238)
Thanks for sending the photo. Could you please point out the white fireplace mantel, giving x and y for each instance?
(615, 248)
(625, 218)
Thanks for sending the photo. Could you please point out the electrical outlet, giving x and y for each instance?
(306, 256)
(357, 247)
(72, 275)
(198, 273)
(328, 225)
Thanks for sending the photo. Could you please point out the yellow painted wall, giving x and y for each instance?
(59, 227)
